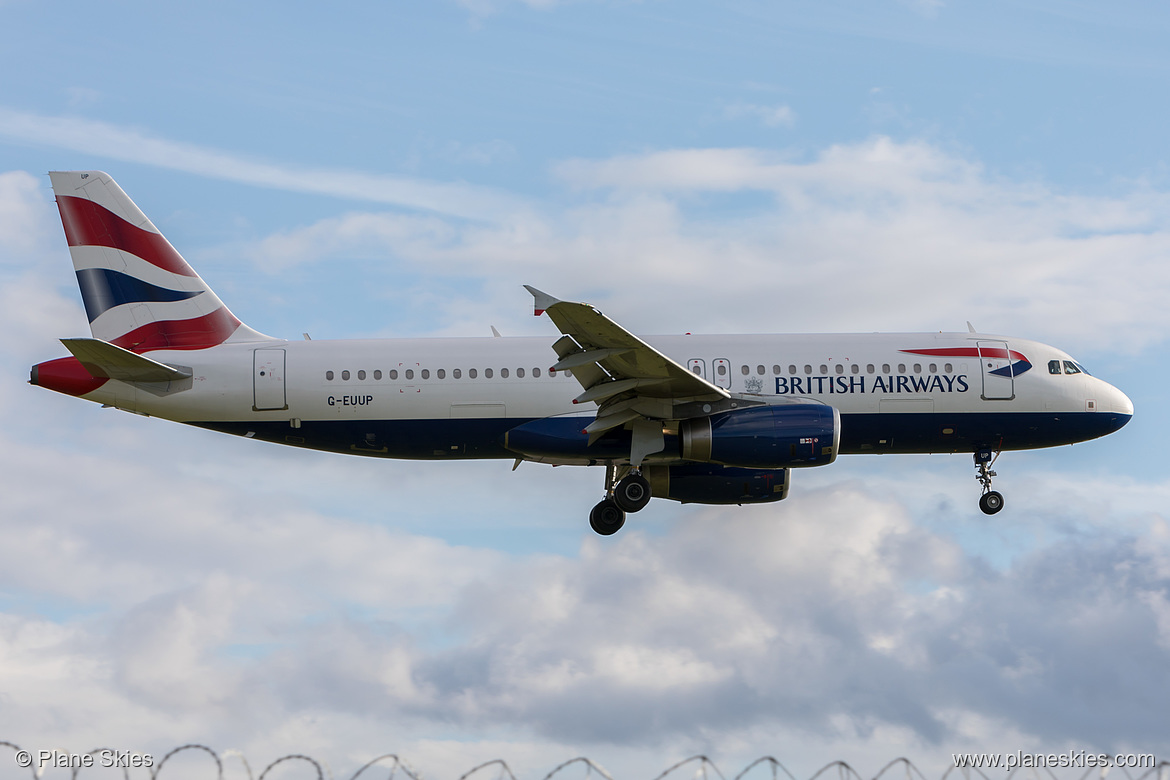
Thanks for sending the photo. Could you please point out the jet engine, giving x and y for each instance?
(764, 437)
(705, 483)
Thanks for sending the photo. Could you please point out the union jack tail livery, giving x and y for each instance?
(139, 293)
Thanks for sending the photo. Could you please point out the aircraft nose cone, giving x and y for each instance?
(1116, 406)
(1124, 405)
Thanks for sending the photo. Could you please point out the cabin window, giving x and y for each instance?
(441, 373)
(410, 373)
(426, 373)
(1071, 367)
(917, 368)
(885, 368)
(901, 368)
(361, 374)
(807, 368)
(856, 369)
(699, 369)
(552, 372)
(776, 370)
(503, 373)
(378, 374)
(744, 370)
(792, 370)
(933, 368)
(487, 373)
(869, 369)
(394, 373)
(721, 369)
(568, 372)
(824, 369)
(456, 373)
(536, 372)
(329, 375)
(472, 373)
(345, 375)
(948, 367)
(520, 373)
(840, 368)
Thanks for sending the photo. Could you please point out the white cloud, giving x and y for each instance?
(121, 143)
(26, 217)
(926, 240)
(772, 116)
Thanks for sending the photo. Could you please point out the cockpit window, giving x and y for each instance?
(1054, 367)
(1071, 367)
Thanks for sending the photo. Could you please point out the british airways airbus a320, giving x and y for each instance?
(703, 419)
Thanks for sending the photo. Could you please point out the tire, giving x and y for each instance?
(607, 518)
(991, 502)
(632, 494)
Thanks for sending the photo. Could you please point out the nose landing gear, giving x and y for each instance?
(992, 500)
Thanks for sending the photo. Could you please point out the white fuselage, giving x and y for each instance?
(456, 396)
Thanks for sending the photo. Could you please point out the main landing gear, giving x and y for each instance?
(631, 494)
(992, 500)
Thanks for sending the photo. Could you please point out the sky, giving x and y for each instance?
(402, 169)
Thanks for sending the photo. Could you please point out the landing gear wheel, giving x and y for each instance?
(632, 494)
(607, 518)
(991, 502)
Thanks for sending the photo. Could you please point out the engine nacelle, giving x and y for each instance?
(764, 437)
(705, 483)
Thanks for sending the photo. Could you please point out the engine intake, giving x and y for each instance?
(764, 437)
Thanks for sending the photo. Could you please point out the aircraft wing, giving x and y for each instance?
(625, 376)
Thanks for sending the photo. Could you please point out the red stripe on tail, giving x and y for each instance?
(88, 224)
(197, 333)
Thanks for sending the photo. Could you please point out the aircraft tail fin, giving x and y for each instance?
(139, 293)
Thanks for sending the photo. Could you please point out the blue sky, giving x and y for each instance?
(402, 169)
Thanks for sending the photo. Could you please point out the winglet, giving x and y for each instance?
(541, 301)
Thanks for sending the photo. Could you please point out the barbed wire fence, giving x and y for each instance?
(700, 767)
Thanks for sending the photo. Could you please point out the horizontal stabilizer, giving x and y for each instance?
(104, 360)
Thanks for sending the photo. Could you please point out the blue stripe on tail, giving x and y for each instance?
(103, 289)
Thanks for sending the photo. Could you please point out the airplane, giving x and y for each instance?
(709, 419)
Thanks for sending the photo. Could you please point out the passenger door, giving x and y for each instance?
(268, 380)
(995, 362)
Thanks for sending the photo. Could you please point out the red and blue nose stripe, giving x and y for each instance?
(1019, 363)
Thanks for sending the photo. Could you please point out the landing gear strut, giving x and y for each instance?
(630, 494)
(992, 500)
